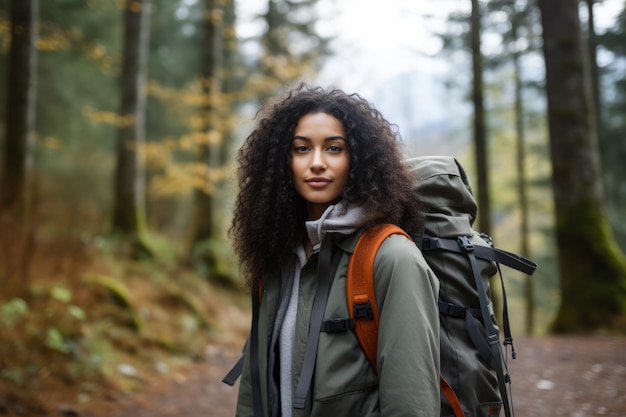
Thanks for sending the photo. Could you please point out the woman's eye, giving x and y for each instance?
(334, 148)
(300, 148)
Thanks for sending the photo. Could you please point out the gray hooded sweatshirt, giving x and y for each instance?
(335, 219)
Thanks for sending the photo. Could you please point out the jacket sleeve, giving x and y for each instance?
(408, 340)
(244, 398)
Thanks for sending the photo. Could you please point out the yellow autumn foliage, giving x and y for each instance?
(108, 117)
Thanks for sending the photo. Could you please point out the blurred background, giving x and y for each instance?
(120, 121)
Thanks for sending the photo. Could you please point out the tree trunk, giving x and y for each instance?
(274, 54)
(20, 115)
(273, 43)
(17, 241)
(592, 43)
(230, 81)
(204, 219)
(611, 147)
(521, 179)
(480, 131)
(129, 211)
(481, 150)
(592, 269)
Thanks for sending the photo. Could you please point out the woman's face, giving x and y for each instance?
(319, 161)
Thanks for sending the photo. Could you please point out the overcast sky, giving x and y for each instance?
(376, 42)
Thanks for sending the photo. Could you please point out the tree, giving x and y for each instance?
(480, 129)
(592, 268)
(129, 193)
(611, 130)
(17, 243)
(466, 36)
(232, 82)
(79, 52)
(203, 228)
(20, 116)
(592, 45)
(292, 46)
(516, 19)
(520, 19)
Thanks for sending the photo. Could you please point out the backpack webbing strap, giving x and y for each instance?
(317, 315)
(471, 316)
(477, 338)
(508, 338)
(257, 399)
(232, 375)
(498, 256)
(361, 297)
(453, 400)
(235, 372)
(488, 253)
(360, 293)
(490, 330)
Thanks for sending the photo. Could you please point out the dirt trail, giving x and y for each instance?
(552, 376)
(569, 376)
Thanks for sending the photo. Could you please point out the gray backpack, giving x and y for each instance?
(474, 376)
(464, 261)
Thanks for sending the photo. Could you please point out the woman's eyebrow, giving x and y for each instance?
(325, 139)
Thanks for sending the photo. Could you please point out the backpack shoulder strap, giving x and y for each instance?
(360, 286)
(361, 298)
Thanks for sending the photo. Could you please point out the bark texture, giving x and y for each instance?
(592, 269)
(204, 228)
(129, 211)
(480, 130)
(20, 116)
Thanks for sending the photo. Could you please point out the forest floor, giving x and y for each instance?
(574, 376)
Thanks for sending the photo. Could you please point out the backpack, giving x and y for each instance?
(474, 377)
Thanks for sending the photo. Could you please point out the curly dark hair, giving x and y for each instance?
(269, 214)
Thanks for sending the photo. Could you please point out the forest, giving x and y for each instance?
(120, 122)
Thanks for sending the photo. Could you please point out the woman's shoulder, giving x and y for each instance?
(400, 261)
(398, 249)
(398, 245)
(395, 247)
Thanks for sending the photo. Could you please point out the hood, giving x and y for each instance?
(338, 218)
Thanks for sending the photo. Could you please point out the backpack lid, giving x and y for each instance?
(443, 188)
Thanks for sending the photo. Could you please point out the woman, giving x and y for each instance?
(320, 167)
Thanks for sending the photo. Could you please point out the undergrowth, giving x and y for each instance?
(83, 320)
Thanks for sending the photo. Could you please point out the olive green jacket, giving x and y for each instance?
(345, 383)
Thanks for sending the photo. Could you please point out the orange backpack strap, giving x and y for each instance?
(361, 298)
(453, 400)
(360, 286)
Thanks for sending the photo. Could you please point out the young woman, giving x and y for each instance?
(320, 167)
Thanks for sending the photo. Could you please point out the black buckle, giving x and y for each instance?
(363, 311)
(337, 325)
(453, 310)
(429, 243)
(465, 243)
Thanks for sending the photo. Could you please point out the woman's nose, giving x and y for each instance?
(318, 161)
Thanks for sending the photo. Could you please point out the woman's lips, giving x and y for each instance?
(318, 182)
